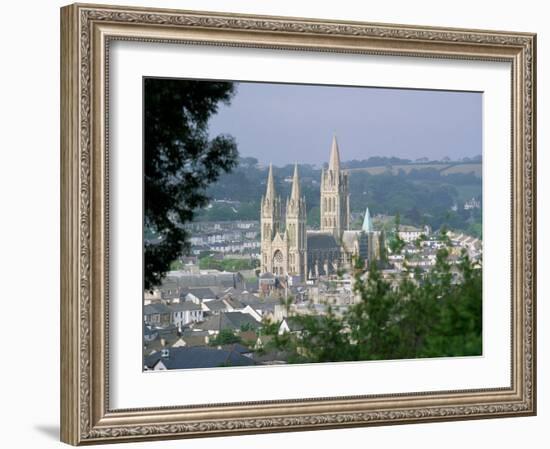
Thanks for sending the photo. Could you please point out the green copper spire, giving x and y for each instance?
(367, 222)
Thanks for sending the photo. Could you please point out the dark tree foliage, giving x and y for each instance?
(180, 163)
(439, 315)
(225, 337)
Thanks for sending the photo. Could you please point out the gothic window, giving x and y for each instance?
(278, 261)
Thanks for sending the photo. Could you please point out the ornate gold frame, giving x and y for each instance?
(86, 31)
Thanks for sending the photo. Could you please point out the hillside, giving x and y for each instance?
(443, 168)
(429, 193)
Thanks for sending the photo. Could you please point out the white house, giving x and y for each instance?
(186, 312)
(251, 311)
(410, 233)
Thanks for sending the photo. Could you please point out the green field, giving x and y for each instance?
(444, 169)
(464, 168)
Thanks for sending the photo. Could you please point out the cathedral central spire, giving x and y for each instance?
(334, 162)
(295, 194)
(334, 195)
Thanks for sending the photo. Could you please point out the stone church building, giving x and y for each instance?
(288, 249)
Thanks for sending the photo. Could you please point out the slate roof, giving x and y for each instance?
(235, 303)
(176, 279)
(216, 305)
(184, 305)
(156, 345)
(202, 292)
(229, 320)
(156, 308)
(237, 347)
(319, 240)
(148, 331)
(198, 357)
(191, 333)
(167, 331)
(267, 304)
(194, 340)
(244, 297)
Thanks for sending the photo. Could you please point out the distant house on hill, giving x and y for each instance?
(411, 233)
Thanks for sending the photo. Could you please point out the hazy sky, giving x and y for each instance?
(284, 123)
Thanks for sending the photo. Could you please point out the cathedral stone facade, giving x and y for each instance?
(288, 249)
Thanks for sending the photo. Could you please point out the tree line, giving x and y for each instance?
(438, 314)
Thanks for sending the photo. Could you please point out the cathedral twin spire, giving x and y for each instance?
(334, 161)
(284, 241)
(271, 203)
(270, 190)
(295, 193)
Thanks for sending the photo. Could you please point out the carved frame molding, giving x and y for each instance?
(87, 31)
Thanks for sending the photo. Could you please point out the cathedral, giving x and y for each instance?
(289, 249)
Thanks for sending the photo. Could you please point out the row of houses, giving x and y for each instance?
(232, 237)
(177, 284)
(189, 351)
(222, 236)
(213, 226)
(472, 245)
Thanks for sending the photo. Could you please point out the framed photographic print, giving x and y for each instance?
(281, 224)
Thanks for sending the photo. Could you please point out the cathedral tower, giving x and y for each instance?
(335, 211)
(296, 229)
(270, 220)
